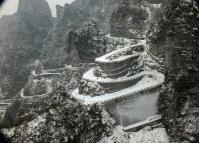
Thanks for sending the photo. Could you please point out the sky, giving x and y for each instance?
(10, 6)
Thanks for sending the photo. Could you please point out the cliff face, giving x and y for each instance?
(101, 10)
(88, 42)
(21, 39)
(133, 18)
(54, 52)
(178, 32)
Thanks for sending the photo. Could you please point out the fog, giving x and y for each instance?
(10, 6)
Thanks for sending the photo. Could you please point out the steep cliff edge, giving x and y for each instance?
(54, 50)
(70, 18)
(88, 42)
(120, 18)
(178, 32)
(101, 11)
(133, 18)
(21, 39)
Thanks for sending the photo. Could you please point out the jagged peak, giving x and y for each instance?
(59, 10)
(34, 6)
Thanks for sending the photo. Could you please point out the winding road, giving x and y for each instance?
(131, 85)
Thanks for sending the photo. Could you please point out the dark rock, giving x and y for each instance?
(21, 39)
(59, 10)
(90, 42)
(54, 51)
(178, 31)
(132, 19)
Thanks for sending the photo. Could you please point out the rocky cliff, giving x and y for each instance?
(178, 33)
(54, 52)
(21, 39)
(126, 18)
(133, 18)
(89, 42)
(101, 11)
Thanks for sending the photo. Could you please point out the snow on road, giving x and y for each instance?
(146, 83)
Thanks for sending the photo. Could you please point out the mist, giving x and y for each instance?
(9, 7)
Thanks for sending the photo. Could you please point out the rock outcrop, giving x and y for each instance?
(101, 10)
(133, 18)
(54, 53)
(59, 11)
(89, 42)
(178, 33)
(21, 39)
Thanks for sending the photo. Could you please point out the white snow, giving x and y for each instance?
(156, 6)
(126, 40)
(53, 70)
(147, 82)
(105, 58)
(145, 135)
(158, 135)
(34, 123)
(91, 77)
(144, 122)
(49, 89)
(46, 72)
(151, 79)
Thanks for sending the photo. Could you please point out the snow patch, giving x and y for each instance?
(152, 80)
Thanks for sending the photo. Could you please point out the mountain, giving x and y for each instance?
(54, 50)
(132, 19)
(21, 39)
(88, 42)
(126, 18)
(71, 17)
(79, 36)
(177, 33)
(101, 10)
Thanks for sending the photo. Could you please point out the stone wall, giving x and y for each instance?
(119, 68)
(134, 108)
(115, 86)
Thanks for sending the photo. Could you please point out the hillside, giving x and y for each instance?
(177, 33)
(21, 39)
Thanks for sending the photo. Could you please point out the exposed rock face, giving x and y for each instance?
(178, 31)
(34, 6)
(101, 10)
(21, 39)
(73, 58)
(54, 51)
(90, 42)
(90, 88)
(132, 18)
(59, 11)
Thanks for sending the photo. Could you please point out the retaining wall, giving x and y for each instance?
(115, 86)
(124, 58)
(119, 68)
(134, 108)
